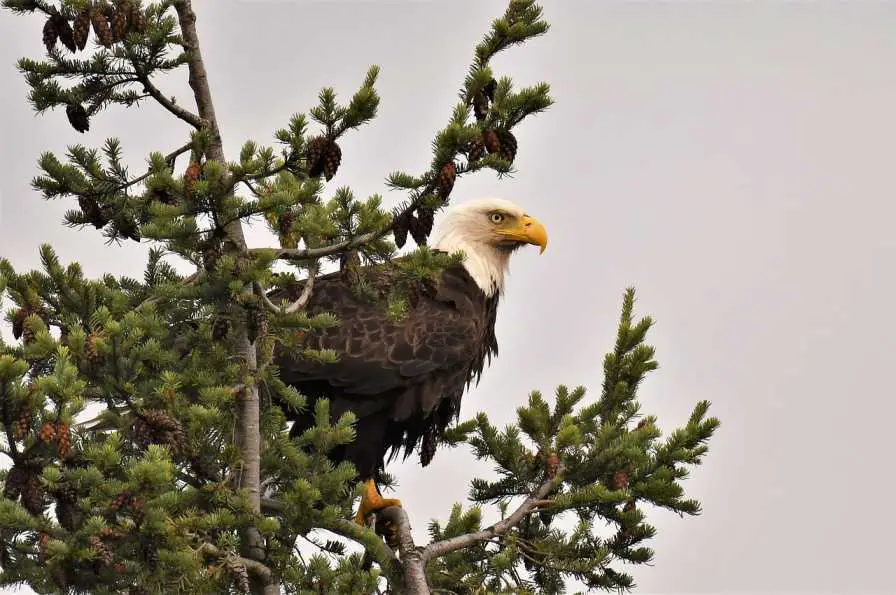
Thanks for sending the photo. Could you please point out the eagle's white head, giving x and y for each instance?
(487, 231)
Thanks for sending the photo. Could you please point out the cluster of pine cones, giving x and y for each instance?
(158, 427)
(110, 25)
(499, 141)
(323, 156)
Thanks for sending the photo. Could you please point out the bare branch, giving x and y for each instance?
(412, 558)
(259, 569)
(306, 292)
(312, 253)
(185, 115)
(260, 292)
(440, 548)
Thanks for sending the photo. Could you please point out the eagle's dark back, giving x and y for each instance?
(403, 378)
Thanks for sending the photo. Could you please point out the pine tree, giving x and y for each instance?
(188, 479)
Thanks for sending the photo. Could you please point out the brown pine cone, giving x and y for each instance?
(64, 30)
(552, 465)
(191, 175)
(81, 28)
(400, 230)
(18, 323)
(629, 506)
(447, 176)
(77, 117)
(93, 354)
(491, 141)
(332, 159)
(64, 439)
(314, 155)
(508, 145)
(33, 495)
(101, 27)
(47, 432)
(137, 19)
(104, 554)
(417, 231)
(50, 33)
(23, 424)
(620, 480)
(476, 150)
(120, 501)
(285, 222)
(119, 24)
(425, 220)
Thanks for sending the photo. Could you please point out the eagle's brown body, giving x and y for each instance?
(402, 378)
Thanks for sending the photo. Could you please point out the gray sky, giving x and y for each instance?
(730, 159)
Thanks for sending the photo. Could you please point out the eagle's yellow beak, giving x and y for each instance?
(529, 230)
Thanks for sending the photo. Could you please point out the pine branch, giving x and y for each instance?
(262, 571)
(440, 548)
(184, 114)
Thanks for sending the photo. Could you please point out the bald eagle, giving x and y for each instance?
(403, 377)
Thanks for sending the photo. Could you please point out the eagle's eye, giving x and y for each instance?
(496, 218)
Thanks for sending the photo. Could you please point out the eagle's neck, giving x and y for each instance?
(486, 264)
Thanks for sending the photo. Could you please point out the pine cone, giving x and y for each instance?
(51, 34)
(77, 117)
(64, 439)
(425, 220)
(491, 141)
(64, 30)
(15, 482)
(508, 145)
(417, 231)
(33, 495)
(552, 466)
(119, 23)
(93, 355)
(158, 427)
(400, 230)
(103, 553)
(476, 150)
(23, 424)
(66, 507)
(18, 323)
(620, 480)
(137, 19)
(120, 501)
(137, 509)
(314, 155)
(93, 212)
(101, 27)
(81, 29)
(191, 175)
(447, 176)
(641, 424)
(47, 432)
(285, 222)
(332, 159)
(629, 506)
(238, 571)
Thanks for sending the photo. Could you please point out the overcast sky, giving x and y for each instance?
(732, 160)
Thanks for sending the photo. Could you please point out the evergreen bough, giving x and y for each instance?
(186, 479)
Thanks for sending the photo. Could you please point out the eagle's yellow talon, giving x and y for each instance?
(371, 501)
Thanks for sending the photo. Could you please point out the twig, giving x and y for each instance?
(440, 548)
(306, 292)
(154, 92)
(262, 571)
(169, 158)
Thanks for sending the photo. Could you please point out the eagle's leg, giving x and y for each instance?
(372, 501)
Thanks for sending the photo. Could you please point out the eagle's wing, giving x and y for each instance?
(382, 358)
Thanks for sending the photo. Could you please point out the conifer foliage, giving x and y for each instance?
(187, 477)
